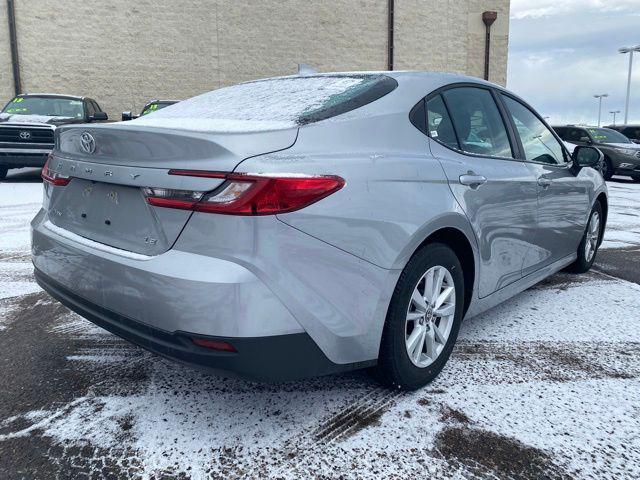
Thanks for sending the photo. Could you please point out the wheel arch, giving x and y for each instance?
(460, 244)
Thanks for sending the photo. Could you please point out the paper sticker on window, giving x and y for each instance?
(434, 133)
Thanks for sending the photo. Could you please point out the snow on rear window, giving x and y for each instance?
(271, 104)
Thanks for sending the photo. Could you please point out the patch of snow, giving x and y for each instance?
(271, 104)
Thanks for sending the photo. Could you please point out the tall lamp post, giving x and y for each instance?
(600, 97)
(614, 112)
(630, 51)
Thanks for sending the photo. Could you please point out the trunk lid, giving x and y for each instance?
(105, 203)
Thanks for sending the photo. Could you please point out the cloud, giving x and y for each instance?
(544, 8)
(562, 53)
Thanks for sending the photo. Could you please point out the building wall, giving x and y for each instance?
(125, 53)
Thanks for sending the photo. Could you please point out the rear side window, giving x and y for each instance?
(539, 144)
(439, 126)
(274, 103)
(477, 122)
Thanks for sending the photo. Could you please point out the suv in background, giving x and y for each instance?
(621, 155)
(632, 132)
(150, 107)
(28, 121)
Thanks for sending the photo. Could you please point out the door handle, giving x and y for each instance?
(544, 182)
(472, 180)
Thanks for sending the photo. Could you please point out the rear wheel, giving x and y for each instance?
(423, 319)
(607, 169)
(590, 242)
(3, 172)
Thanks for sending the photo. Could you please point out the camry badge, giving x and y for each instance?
(134, 175)
(87, 142)
(108, 173)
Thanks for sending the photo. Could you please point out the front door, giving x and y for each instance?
(563, 195)
(497, 192)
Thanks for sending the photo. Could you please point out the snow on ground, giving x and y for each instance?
(545, 385)
(623, 224)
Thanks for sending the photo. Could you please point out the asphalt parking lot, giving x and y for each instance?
(546, 385)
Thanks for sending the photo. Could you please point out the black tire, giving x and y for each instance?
(3, 172)
(607, 169)
(582, 263)
(395, 369)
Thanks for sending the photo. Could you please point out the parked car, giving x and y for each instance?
(621, 155)
(27, 123)
(632, 132)
(150, 107)
(342, 221)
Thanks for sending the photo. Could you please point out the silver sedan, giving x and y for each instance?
(314, 224)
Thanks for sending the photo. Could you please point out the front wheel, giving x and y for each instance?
(3, 172)
(590, 242)
(423, 319)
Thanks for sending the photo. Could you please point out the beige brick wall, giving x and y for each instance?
(125, 53)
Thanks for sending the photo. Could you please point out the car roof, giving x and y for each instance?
(51, 95)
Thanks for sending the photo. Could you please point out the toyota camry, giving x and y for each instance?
(313, 224)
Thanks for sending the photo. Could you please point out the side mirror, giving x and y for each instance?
(585, 139)
(98, 117)
(584, 156)
(126, 116)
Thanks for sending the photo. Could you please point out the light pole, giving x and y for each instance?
(614, 112)
(600, 97)
(630, 51)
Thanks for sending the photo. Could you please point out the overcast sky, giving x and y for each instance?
(562, 52)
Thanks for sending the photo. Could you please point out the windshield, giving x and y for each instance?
(274, 103)
(49, 106)
(604, 135)
(155, 106)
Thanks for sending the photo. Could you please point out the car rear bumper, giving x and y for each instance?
(271, 358)
(173, 291)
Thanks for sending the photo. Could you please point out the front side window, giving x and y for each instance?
(477, 122)
(48, 106)
(576, 135)
(540, 145)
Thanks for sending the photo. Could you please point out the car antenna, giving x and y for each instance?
(304, 69)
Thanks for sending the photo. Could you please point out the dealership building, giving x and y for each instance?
(124, 53)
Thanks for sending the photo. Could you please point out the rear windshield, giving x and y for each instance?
(273, 104)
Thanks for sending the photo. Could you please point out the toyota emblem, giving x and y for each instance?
(24, 135)
(87, 142)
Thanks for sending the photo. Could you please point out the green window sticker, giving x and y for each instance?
(150, 109)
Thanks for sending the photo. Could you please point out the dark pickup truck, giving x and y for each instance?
(28, 121)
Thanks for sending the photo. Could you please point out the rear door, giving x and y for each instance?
(563, 195)
(496, 191)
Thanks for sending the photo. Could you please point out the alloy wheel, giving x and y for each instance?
(593, 235)
(430, 316)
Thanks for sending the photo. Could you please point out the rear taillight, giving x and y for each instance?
(242, 194)
(54, 178)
